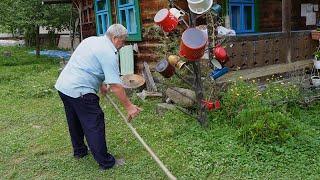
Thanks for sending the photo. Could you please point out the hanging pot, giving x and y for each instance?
(220, 53)
(217, 104)
(216, 9)
(315, 81)
(199, 6)
(165, 69)
(215, 74)
(208, 104)
(173, 59)
(166, 20)
(316, 63)
(180, 64)
(193, 44)
(177, 13)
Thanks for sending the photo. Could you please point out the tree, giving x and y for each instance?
(29, 15)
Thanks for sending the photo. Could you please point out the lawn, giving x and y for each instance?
(35, 141)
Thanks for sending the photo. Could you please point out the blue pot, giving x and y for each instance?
(215, 74)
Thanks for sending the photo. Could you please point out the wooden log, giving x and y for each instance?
(181, 96)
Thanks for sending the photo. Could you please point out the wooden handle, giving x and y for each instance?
(135, 133)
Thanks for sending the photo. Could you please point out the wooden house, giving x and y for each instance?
(268, 31)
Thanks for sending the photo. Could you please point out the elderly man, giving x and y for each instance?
(93, 65)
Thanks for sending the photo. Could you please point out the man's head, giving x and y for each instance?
(117, 34)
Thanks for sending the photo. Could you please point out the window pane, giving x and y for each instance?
(100, 25)
(101, 5)
(123, 18)
(122, 2)
(249, 1)
(248, 17)
(235, 17)
(133, 26)
(106, 17)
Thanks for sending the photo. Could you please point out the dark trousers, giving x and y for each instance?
(86, 119)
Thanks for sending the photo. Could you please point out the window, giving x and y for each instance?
(103, 16)
(241, 14)
(129, 16)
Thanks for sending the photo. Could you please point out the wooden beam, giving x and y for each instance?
(151, 86)
(56, 1)
(286, 25)
(265, 71)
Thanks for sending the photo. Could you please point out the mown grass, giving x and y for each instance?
(35, 141)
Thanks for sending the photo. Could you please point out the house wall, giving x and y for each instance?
(88, 18)
(248, 50)
(271, 15)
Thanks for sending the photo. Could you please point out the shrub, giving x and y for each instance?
(262, 124)
(255, 115)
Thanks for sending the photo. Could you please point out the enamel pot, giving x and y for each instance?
(165, 69)
(166, 20)
(199, 6)
(220, 53)
(193, 44)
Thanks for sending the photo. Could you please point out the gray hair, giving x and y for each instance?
(117, 30)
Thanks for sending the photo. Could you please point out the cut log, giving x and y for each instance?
(181, 96)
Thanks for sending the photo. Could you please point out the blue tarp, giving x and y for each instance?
(55, 53)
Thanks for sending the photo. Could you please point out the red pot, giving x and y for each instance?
(165, 69)
(166, 20)
(217, 104)
(208, 104)
(220, 53)
(193, 44)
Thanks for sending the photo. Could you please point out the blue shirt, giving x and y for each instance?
(94, 61)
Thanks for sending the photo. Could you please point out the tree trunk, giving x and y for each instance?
(37, 41)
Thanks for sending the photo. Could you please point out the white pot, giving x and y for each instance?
(199, 6)
(315, 81)
(316, 63)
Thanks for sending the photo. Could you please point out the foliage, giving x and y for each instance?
(27, 15)
(261, 116)
(317, 55)
(168, 42)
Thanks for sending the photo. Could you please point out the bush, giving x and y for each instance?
(254, 114)
(262, 124)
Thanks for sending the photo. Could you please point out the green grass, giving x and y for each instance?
(35, 143)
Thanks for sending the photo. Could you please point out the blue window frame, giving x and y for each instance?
(129, 16)
(103, 16)
(241, 14)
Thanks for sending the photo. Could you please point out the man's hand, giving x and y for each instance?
(104, 89)
(133, 111)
